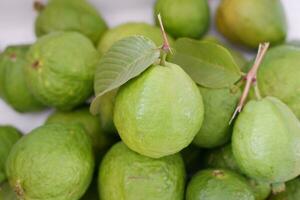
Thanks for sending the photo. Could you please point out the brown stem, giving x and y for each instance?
(38, 5)
(251, 77)
(166, 48)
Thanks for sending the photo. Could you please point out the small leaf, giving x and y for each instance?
(126, 59)
(209, 64)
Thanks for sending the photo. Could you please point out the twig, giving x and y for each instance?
(166, 45)
(38, 5)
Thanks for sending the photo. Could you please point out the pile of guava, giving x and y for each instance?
(160, 111)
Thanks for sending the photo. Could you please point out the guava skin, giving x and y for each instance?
(247, 22)
(70, 15)
(61, 71)
(6, 192)
(213, 184)
(130, 29)
(159, 112)
(193, 21)
(266, 140)
(219, 105)
(8, 137)
(13, 88)
(278, 76)
(126, 175)
(292, 191)
(53, 162)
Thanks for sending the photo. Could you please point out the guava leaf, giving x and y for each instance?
(126, 59)
(208, 64)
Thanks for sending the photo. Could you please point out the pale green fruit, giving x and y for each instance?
(266, 140)
(248, 23)
(159, 112)
(70, 15)
(292, 191)
(126, 175)
(183, 18)
(218, 184)
(219, 106)
(6, 192)
(53, 162)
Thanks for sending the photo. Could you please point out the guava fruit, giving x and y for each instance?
(13, 87)
(213, 184)
(292, 191)
(247, 22)
(70, 15)
(61, 69)
(159, 112)
(8, 137)
(6, 192)
(223, 158)
(219, 105)
(124, 174)
(189, 18)
(100, 140)
(278, 76)
(265, 141)
(130, 29)
(53, 162)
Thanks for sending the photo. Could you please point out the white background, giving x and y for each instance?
(17, 22)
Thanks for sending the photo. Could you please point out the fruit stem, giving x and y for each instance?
(251, 77)
(165, 49)
(277, 187)
(38, 5)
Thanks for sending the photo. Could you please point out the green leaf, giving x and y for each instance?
(126, 59)
(209, 64)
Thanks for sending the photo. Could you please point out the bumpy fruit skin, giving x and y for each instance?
(219, 105)
(70, 15)
(223, 158)
(8, 137)
(100, 140)
(292, 191)
(213, 184)
(53, 162)
(6, 192)
(159, 112)
(13, 88)
(279, 74)
(247, 22)
(265, 141)
(188, 18)
(130, 29)
(126, 175)
(61, 71)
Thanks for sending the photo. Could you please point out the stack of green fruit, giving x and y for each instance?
(167, 92)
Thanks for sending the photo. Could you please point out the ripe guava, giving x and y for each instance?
(219, 105)
(279, 74)
(188, 18)
(53, 162)
(248, 23)
(13, 88)
(159, 112)
(61, 69)
(266, 140)
(125, 174)
(70, 15)
(6, 192)
(8, 137)
(292, 191)
(214, 184)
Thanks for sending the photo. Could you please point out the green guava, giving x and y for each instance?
(13, 88)
(62, 68)
(252, 22)
(6, 192)
(159, 112)
(292, 191)
(70, 15)
(8, 137)
(124, 174)
(188, 18)
(278, 76)
(219, 106)
(130, 29)
(53, 162)
(265, 141)
(100, 140)
(223, 158)
(215, 184)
